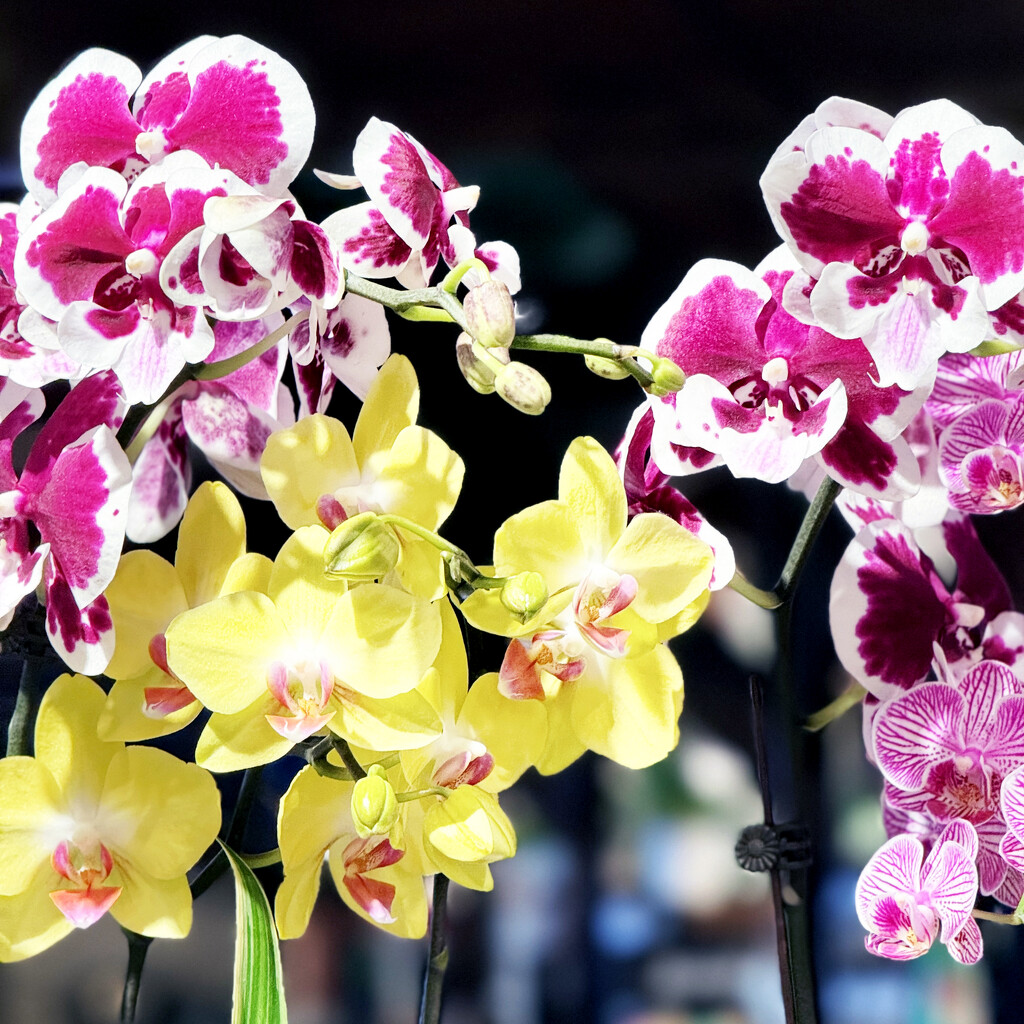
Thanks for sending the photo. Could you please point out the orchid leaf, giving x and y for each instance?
(258, 995)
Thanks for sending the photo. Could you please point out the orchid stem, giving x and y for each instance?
(23, 720)
(243, 806)
(138, 947)
(621, 354)
(355, 769)
(433, 979)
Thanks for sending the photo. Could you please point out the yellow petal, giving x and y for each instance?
(391, 405)
(144, 595)
(630, 712)
(314, 812)
(589, 484)
(221, 651)
(304, 595)
(420, 567)
(304, 462)
(30, 922)
(402, 721)
(562, 745)
(381, 639)
(296, 896)
(685, 619)
(250, 572)
(29, 801)
(125, 717)
(419, 477)
(245, 739)
(211, 537)
(157, 813)
(158, 907)
(671, 566)
(543, 538)
(66, 741)
(514, 731)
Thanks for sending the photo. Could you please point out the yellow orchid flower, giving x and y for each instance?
(316, 474)
(594, 653)
(89, 826)
(147, 592)
(372, 873)
(486, 740)
(308, 654)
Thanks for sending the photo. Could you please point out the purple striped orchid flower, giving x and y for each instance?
(945, 750)
(912, 238)
(906, 900)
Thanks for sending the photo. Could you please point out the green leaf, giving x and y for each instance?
(993, 347)
(258, 996)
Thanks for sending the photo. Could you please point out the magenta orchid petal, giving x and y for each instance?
(55, 135)
(895, 867)
(366, 244)
(83, 637)
(966, 946)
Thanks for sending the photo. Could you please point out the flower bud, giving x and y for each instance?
(610, 369)
(468, 827)
(361, 549)
(524, 594)
(523, 387)
(374, 804)
(478, 367)
(490, 314)
(668, 378)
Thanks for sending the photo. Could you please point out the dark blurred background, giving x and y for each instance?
(614, 144)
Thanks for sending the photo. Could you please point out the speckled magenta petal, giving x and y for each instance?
(81, 115)
(984, 214)
(884, 577)
(392, 171)
(248, 111)
(70, 250)
(164, 92)
(161, 479)
(83, 637)
(366, 244)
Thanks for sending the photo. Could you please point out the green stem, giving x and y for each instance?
(401, 301)
(243, 806)
(223, 367)
(984, 915)
(23, 721)
(814, 518)
(138, 947)
(355, 769)
(437, 964)
(622, 354)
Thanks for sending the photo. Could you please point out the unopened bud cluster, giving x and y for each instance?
(482, 351)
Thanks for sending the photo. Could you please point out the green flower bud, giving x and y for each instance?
(374, 804)
(668, 378)
(523, 387)
(524, 594)
(479, 365)
(610, 369)
(360, 549)
(490, 315)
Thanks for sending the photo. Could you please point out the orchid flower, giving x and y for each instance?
(912, 238)
(89, 826)
(764, 391)
(233, 102)
(906, 900)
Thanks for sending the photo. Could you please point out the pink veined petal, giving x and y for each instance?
(962, 832)
(966, 945)
(894, 869)
(81, 115)
(1011, 799)
(896, 934)
(917, 731)
(951, 879)
(248, 111)
(984, 688)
